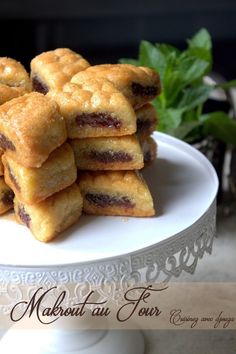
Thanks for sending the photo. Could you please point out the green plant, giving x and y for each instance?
(184, 91)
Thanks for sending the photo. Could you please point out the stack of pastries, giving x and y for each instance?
(14, 82)
(77, 141)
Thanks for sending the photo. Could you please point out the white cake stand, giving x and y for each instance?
(114, 250)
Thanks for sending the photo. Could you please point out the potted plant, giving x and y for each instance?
(183, 106)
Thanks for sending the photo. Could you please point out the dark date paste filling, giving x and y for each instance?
(97, 120)
(105, 200)
(25, 218)
(8, 197)
(143, 124)
(13, 178)
(140, 90)
(110, 156)
(147, 157)
(6, 144)
(39, 86)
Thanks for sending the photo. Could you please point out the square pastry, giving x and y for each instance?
(138, 84)
(32, 185)
(51, 216)
(6, 197)
(52, 69)
(116, 153)
(95, 108)
(115, 193)
(31, 128)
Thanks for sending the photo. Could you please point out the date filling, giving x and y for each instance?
(105, 200)
(8, 197)
(147, 157)
(25, 218)
(144, 91)
(110, 156)
(97, 120)
(39, 86)
(6, 144)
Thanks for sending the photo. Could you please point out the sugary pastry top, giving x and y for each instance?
(13, 74)
(93, 95)
(33, 124)
(127, 78)
(56, 67)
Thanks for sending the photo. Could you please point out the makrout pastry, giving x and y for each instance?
(32, 185)
(52, 69)
(146, 120)
(111, 153)
(13, 74)
(149, 149)
(138, 84)
(31, 128)
(95, 108)
(1, 164)
(6, 197)
(51, 216)
(115, 193)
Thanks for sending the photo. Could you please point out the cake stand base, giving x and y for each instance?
(72, 342)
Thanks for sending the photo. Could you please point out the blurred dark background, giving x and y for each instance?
(104, 31)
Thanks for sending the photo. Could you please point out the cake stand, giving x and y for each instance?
(111, 253)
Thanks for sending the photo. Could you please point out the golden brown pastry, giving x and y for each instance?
(146, 120)
(31, 128)
(32, 185)
(6, 197)
(138, 84)
(95, 108)
(13, 74)
(1, 164)
(53, 215)
(115, 193)
(52, 69)
(114, 153)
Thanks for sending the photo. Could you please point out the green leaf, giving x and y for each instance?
(168, 50)
(192, 69)
(221, 126)
(185, 129)
(227, 85)
(129, 61)
(201, 39)
(203, 54)
(151, 56)
(169, 119)
(172, 84)
(194, 96)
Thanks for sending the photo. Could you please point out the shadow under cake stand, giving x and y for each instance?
(114, 250)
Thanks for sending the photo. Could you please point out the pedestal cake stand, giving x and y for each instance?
(113, 250)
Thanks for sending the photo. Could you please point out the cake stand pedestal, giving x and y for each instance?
(110, 253)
